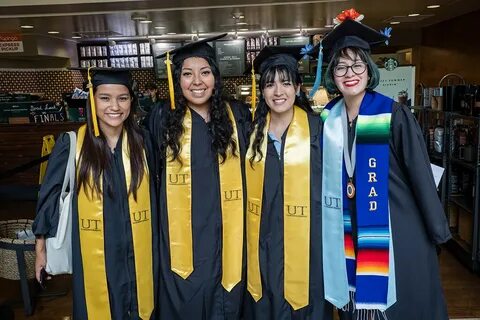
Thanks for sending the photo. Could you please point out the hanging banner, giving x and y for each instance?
(11, 43)
(398, 83)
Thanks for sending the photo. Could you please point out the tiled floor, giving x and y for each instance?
(462, 291)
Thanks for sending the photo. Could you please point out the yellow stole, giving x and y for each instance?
(92, 242)
(179, 198)
(296, 212)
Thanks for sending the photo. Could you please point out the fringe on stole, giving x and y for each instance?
(363, 314)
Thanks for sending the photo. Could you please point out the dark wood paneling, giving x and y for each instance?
(451, 47)
(22, 143)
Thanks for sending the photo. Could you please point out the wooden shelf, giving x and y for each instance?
(463, 251)
(435, 156)
(460, 201)
(465, 164)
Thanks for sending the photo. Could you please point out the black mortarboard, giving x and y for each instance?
(351, 33)
(199, 48)
(110, 76)
(277, 55)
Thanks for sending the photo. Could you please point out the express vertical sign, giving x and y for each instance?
(11, 43)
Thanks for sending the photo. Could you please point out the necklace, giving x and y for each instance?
(349, 161)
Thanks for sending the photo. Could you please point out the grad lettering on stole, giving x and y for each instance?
(372, 178)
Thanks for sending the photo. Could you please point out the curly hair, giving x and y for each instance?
(285, 73)
(220, 125)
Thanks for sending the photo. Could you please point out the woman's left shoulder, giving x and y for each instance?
(240, 109)
(402, 113)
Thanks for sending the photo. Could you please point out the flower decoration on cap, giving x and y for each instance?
(306, 51)
(387, 32)
(350, 14)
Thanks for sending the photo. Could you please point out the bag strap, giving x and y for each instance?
(70, 170)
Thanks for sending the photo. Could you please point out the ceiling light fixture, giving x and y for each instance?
(433, 6)
(329, 26)
(26, 27)
(137, 16)
(76, 37)
(159, 27)
(145, 21)
(414, 14)
(171, 33)
(53, 32)
(241, 23)
(395, 22)
(243, 29)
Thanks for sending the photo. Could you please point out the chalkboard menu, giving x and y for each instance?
(231, 57)
(158, 49)
(303, 64)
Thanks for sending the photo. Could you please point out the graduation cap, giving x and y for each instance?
(199, 48)
(98, 76)
(348, 32)
(272, 56)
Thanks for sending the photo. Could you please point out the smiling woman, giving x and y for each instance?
(113, 103)
(201, 140)
(283, 178)
(388, 216)
(114, 222)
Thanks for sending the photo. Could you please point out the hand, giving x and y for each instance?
(40, 257)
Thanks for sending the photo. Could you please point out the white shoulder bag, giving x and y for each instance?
(59, 248)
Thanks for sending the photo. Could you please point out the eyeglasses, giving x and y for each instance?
(358, 68)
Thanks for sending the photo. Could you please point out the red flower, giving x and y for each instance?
(350, 14)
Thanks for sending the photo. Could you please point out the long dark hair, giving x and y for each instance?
(220, 125)
(96, 157)
(285, 73)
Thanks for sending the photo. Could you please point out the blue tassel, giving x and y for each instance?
(318, 77)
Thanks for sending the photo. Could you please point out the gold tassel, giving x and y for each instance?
(168, 62)
(254, 92)
(92, 104)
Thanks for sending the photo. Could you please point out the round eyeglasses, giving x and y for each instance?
(358, 68)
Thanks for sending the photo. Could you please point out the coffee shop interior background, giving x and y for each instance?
(46, 47)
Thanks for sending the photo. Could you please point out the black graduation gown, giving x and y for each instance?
(119, 255)
(418, 223)
(273, 305)
(201, 295)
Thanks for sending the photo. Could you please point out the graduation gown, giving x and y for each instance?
(119, 255)
(201, 295)
(418, 223)
(273, 305)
